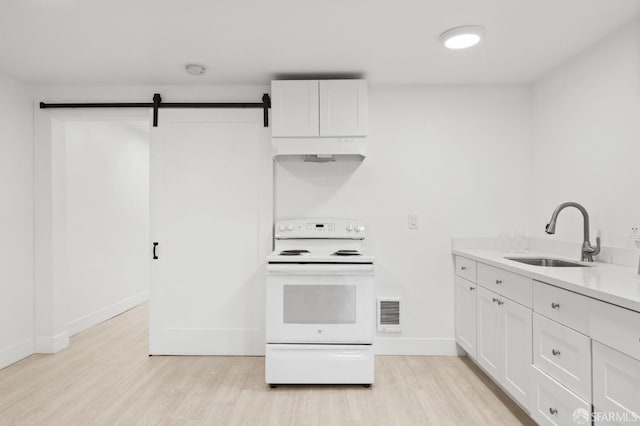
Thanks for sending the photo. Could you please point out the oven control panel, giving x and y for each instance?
(323, 228)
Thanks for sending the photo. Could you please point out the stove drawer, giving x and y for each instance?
(325, 364)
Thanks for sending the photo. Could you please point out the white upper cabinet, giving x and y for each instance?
(343, 108)
(325, 108)
(294, 107)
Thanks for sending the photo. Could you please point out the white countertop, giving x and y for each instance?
(615, 284)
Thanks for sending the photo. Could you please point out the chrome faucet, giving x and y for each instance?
(588, 251)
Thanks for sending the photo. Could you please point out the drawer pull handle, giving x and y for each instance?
(553, 411)
(471, 288)
(555, 352)
(498, 301)
(555, 305)
(463, 268)
(498, 282)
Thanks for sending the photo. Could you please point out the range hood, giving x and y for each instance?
(320, 149)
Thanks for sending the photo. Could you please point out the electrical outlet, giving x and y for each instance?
(413, 221)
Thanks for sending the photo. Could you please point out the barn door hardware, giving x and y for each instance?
(157, 104)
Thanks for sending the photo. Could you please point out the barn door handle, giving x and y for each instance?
(155, 256)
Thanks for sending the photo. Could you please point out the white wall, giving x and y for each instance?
(457, 157)
(107, 196)
(586, 141)
(16, 221)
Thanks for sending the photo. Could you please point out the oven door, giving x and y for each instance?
(320, 303)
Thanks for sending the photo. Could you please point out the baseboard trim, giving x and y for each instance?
(95, 318)
(16, 352)
(414, 346)
(51, 345)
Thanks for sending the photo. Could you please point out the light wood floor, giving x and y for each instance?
(105, 377)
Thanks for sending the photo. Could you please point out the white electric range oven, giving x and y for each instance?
(320, 304)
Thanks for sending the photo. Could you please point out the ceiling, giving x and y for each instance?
(105, 42)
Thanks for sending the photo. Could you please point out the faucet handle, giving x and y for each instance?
(591, 250)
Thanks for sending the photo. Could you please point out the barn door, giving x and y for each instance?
(211, 215)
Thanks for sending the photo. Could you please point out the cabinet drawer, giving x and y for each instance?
(466, 268)
(564, 354)
(553, 404)
(616, 383)
(562, 306)
(615, 326)
(515, 287)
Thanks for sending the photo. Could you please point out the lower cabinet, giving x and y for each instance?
(466, 315)
(504, 342)
(572, 354)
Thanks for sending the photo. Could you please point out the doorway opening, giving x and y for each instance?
(106, 189)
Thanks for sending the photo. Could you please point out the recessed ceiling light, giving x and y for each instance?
(462, 37)
(195, 69)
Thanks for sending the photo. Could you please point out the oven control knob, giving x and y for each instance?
(349, 228)
(282, 227)
(289, 227)
(359, 228)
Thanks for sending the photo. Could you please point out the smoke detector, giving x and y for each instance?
(195, 69)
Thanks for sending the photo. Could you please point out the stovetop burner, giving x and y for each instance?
(347, 253)
(293, 252)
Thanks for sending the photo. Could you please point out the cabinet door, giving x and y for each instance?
(466, 315)
(343, 108)
(294, 108)
(490, 338)
(616, 384)
(517, 350)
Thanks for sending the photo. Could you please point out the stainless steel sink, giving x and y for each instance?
(548, 262)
